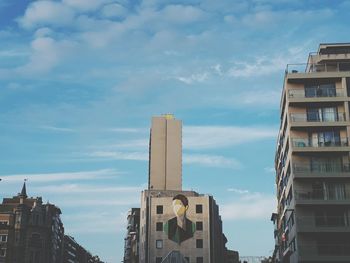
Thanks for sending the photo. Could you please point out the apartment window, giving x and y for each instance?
(187, 259)
(3, 252)
(159, 209)
(3, 238)
(159, 243)
(322, 114)
(199, 209)
(199, 225)
(159, 226)
(199, 260)
(323, 90)
(159, 259)
(199, 243)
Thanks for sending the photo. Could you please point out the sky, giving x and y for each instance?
(81, 79)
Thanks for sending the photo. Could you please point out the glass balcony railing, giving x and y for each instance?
(303, 117)
(318, 67)
(323, 221)
(321, 250)
(300, 93)
(333, 195)
(321, 168)
(302, 143)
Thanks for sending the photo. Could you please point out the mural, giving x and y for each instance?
(179, 228)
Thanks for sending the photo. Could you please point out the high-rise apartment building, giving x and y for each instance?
(174, 225)
(312, 223)
(165, 154)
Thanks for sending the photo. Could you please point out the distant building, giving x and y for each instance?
(232, 256)
(175, 224)
(131, 247)
(312, 159)
(75, 253)
(30, 231)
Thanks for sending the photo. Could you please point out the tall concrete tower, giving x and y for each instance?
(165, 164)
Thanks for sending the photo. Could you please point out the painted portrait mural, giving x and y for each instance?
(179, 228)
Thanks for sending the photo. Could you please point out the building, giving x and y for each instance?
(75, 253)
(172, 221)
(232, 256)
(30, 231)
(131, 247)
(312, 159)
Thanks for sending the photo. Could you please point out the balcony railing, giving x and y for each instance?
(343, 142)
(300, 93)
(320, 250)
(303, 117)
(323, 221)
(318, 67)
(321, 168)
(320, 195)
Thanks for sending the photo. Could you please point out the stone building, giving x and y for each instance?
(30, 231)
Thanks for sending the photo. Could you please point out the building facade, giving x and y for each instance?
(75, 253)
(131, 246)
(173, 221)
(30, 231)
(312, 160)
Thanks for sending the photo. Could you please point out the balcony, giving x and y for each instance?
(318, 67)
(310, 119)
(321, 170)
(306, 145)
(301, 93)
(319, 224)
(324, 252)
(319, 197)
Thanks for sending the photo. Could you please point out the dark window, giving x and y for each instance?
(199, 209)
(199, 243)
(188, 259)
(159, 243)
(199, 260)
(159, 259)
(348, 86)
(199, 225)
(159, 209)
(159, 226)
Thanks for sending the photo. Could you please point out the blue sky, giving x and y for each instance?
(81, 79)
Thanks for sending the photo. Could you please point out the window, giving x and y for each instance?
(199, 225)
(159, 226)
(3, 252)
(199, 243)
(199, 209)
(159, 243)
(187, 259)
(159, 209)
(323, 90)
(159, 259)
(199, 260)
(3, 238)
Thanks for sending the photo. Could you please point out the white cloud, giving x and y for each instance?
(249, 206)
(211, 137)
(46, 54)
(238, 191)
(261, 66)
(85, 5)
(55, 177)
(56, 129)
(199, 77)
(114, 10)
(211, 160)
(188, 13)
(46, 13)
(116, 155)
(87, 189)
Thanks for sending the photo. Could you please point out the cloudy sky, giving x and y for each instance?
(80, 80)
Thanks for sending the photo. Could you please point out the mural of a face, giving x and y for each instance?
(179, 208)
(179, 232)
